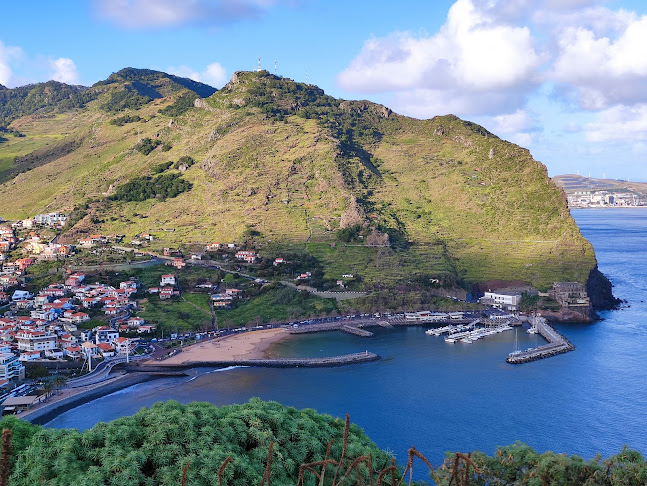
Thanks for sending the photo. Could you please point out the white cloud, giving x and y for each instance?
(8, 54)
(136, 14)
(64, 70)
(519, 127)
(518, 121)
(214, 74)
(619, 123)
(603, 71)
(474, 64)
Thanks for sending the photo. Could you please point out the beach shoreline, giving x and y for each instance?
(235, 347)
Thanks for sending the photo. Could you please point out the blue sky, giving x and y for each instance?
(564, 78)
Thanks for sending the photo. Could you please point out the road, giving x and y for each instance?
(101, 372)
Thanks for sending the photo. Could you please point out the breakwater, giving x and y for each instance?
(325, 362)
(557, 344)
(356, 331)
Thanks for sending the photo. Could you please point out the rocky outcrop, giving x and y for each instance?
(599, 289)
(570, 314)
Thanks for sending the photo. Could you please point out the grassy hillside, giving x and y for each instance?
(282, 161)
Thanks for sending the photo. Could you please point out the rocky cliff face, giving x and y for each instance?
(600, 291)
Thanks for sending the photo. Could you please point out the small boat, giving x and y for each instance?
(449, 339)
(466, 340)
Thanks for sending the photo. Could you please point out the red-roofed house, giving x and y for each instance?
(106, 350)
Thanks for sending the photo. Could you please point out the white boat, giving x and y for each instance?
(466, 340)
(449, 339)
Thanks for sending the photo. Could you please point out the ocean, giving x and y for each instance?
(460, 397)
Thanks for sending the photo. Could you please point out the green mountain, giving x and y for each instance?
(402, 203)
(128, 88)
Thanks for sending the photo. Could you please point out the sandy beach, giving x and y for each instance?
(248, 345)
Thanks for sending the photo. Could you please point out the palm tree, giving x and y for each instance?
(48, 387)
(59, 382)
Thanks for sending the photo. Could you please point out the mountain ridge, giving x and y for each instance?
(283, 167)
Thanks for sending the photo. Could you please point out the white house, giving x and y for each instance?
(167, 280)
(29, 356)
(29, 340)
(122, 344)
(21, 295)
(106, 336)
(90, 349)
(502, 299)
(106, 350)
(54, 353)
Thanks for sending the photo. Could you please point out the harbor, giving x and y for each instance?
(557, 344)
(469, 333)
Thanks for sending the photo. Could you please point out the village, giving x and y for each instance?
(84, 319)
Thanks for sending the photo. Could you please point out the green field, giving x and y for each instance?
(173, 315)
(276, 304)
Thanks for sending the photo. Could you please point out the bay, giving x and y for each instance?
(442, 397)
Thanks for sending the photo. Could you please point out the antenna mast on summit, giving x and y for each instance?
(306, 77)
(259, 64)
(274, 68)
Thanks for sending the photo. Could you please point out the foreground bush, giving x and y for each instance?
(266, 443)
(153, 447)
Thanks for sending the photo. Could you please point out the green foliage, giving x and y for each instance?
(166, 147)
(157, 81)
(125, 99)
(147, 145)
(348, 234)
(122, 120)
(159, 168)
(161, 187)
(182, 104)
(152, 447)
(277, 303)
(91, 324)
(519, 464)
(48, 97)
(22, 434)
(528, 302)
(37, 371)
(174, 315)
(184, 160)
(12, 132)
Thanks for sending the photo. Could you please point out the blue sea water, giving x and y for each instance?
(441, 397)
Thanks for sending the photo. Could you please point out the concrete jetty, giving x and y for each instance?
(557, 344)
(356, 331)
(324, 362)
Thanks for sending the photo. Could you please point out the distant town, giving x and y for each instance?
(588, 192)
(604, 199)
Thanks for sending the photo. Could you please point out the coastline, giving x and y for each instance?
(235, 347)
(68, 399)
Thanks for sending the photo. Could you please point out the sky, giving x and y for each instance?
(566, 79)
